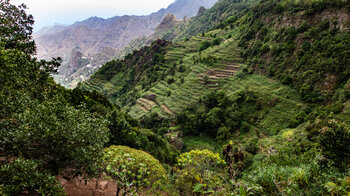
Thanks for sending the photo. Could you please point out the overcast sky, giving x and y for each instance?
(49, 12)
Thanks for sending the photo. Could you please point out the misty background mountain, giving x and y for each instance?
(86, 45)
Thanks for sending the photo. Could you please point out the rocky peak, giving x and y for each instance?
(201, 10)
(168, 22)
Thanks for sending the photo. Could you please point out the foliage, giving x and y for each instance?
(26, 177)
(334, 141)
(16, 27)
(339, 187)
(58, 135)
(305, 56)
(199, 171)
(219, 115)
(280, 39)
(221, 14)
(204, 45)
(123, 134)
(92, 101)
(40, 120)
(216, 41)
(134, 170)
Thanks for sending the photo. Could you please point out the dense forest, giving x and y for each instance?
(246, 98)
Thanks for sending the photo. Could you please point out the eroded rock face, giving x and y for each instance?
(168, 21)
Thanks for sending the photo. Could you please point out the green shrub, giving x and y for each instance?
(264, 49)
(223, 134)
(158, 58)
(121, 133)
(204, 45)
(199, 171)
(334, 141)
(27, 177)
(252, 145)
(134, 170)
(338, 187)
(216, 41)
(182, 68)
(170, 80)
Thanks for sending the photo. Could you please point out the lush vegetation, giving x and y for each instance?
(254, 101)
(46, 129)
(199, 171)
(133, 170)
(311, 57)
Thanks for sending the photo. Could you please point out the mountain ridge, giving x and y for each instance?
(93, 35)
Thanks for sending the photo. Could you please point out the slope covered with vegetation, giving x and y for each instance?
(46, 129)
(270, 77)
(256, 101)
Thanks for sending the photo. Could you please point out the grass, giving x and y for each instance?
(200, 143)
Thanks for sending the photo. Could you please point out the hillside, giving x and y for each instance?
(97, 36)
(253, 101)
(251, 75)
(231, 43)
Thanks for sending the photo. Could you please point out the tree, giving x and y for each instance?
(58, 135)
(16, 27)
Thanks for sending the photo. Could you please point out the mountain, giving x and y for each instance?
(172, 29)
(246, 98)
(95, 35)
(50, 29)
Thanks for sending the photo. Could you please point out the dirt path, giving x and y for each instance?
(78, 186)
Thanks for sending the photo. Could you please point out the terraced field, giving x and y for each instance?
(180, 89)
(198, 79)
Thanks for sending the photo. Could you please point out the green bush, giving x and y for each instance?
(334, 141)
(252, 145)
(199, 171)
(223, 134)
(158, 58)
(216, 41)
(134, 170)
(204, 45)
(27, 177)
(170, 80)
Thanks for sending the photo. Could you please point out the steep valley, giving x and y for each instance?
(245, 98)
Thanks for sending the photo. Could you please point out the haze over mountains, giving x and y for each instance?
(94, 41)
